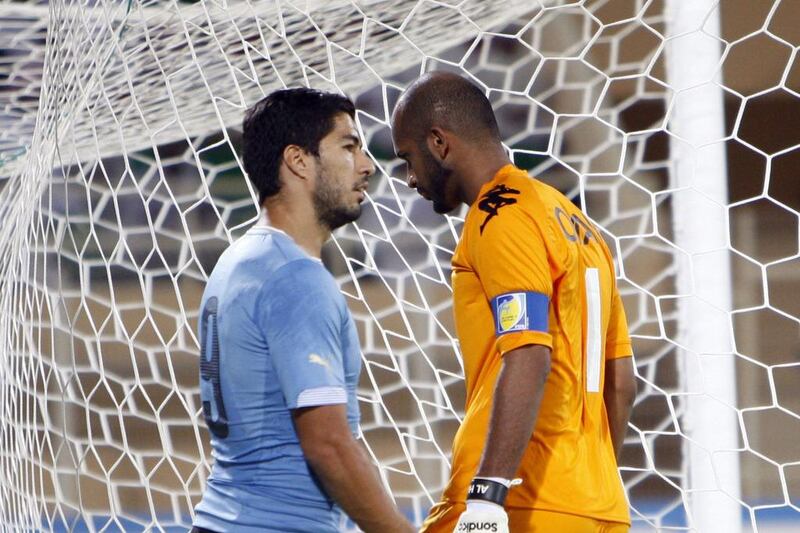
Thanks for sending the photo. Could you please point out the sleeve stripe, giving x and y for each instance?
(321, 396)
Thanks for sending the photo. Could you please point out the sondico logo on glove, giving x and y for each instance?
(485, 512)
(472, 526)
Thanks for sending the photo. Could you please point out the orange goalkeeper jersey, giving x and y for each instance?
(531, 269)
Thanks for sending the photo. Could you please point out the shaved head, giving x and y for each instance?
(444, 128)
(448, 101)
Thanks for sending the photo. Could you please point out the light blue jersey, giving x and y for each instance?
(276, 335)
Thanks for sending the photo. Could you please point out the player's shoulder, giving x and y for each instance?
(567, 224)
(509, 203)
(269, 245)
(551, 205)
(301, 283)
(514, 181)
(273, 259)
(301, 272)
(270, 250)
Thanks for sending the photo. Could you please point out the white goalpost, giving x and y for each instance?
(704, 279)
(120, 185)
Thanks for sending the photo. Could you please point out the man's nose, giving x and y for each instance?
(412, 181)
(367, 166)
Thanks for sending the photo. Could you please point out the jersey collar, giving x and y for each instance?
(499, 176)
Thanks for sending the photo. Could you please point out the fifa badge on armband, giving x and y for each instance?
(511, 312)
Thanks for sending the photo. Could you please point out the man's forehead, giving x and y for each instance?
(344, 125)
(398, 140)
(399, 132)
(344, 121)
(398, 112)
(404, 125)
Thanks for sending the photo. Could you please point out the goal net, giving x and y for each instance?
(673, 124)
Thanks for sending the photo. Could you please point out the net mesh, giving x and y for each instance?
(121, 186)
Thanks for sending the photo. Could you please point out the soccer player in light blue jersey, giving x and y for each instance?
(280, 355)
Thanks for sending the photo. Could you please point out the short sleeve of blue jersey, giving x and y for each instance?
(300, 314)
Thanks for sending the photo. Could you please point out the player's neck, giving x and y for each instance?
(478, 169)
(299, 224)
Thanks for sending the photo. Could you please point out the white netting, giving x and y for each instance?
(120, 187)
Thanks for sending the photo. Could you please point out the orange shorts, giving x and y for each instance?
(444, 516)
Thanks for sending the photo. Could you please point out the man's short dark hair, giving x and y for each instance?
(299, 116)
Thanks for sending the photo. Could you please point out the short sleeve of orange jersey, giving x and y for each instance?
(510, 256)
(618, 342)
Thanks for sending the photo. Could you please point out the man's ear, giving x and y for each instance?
(298, 161)
(439, 142)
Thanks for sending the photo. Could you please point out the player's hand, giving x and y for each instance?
(482, 517)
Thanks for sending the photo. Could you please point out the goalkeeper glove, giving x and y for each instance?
(482, 517)
(485, 512)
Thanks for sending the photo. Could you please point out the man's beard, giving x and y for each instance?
(329, 204)
(438, 177)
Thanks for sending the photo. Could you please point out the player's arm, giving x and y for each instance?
(302, 320)
(515, 408)
(619, 391)
(345, 469)
(517, 396)
(511, 259)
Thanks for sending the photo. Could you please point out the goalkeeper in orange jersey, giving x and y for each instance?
(547, 356)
